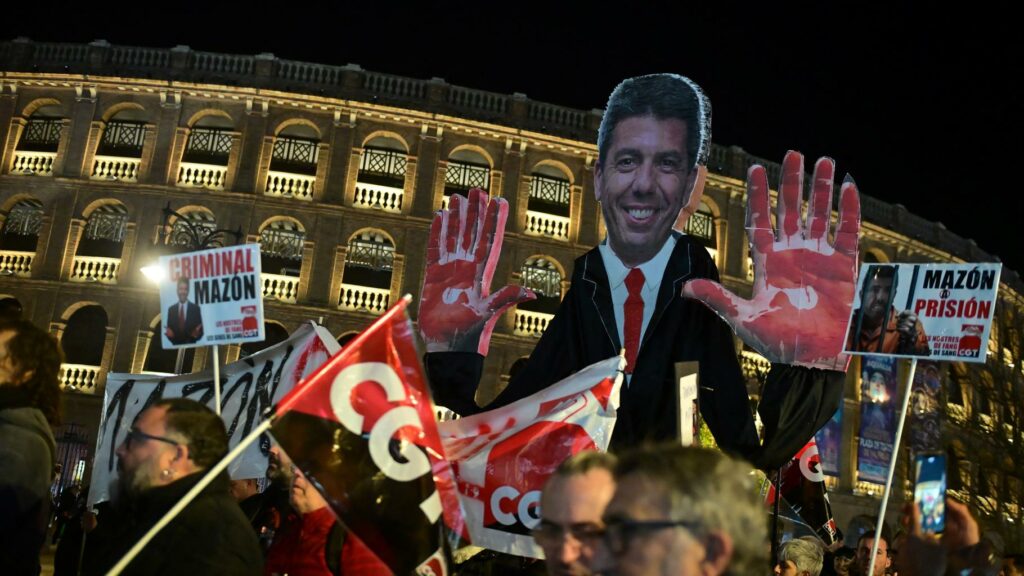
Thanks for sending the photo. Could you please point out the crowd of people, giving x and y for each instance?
(662, 509)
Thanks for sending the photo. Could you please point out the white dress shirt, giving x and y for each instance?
(653, 269)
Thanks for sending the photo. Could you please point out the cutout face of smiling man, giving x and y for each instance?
(642, 182)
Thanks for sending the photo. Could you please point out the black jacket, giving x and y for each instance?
(27, 453)
(210, 536)
(193, 319)
(795, 403)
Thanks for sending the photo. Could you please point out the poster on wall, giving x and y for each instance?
(878, 393)
(925, 428)
(211, 297)
(830, 441)
(937, 311)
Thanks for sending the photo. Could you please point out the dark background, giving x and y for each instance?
(922, 107)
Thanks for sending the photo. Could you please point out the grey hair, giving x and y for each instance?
(717, 492)
(805, 555)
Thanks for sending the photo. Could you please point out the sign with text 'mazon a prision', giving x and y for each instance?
(212, 297)
(935, 311)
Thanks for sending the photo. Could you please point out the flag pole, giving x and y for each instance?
(892, 464)
(216, 377)
(191, 495)
(775, 516)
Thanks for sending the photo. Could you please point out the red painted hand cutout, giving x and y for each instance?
(457, 309)
(803, 284)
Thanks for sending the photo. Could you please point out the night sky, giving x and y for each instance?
(922, 108)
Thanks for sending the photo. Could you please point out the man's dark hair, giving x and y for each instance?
(881, 271)
(872, 536)
(204, 432)
(34, 352)
(185, 280)
(664, 96)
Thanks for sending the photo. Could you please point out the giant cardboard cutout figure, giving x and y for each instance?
(628, 293)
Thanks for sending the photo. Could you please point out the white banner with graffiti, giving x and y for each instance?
(248, 388)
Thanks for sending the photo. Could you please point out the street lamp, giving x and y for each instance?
(191, 236)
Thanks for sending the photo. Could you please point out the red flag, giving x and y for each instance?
(362, 429)
(804, 493)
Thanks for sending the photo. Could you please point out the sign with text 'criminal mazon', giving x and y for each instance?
(936, 311)
(212, 297)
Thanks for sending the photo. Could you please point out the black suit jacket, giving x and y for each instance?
(795, 403)
(193, 318)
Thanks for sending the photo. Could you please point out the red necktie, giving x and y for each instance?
(634, 316)
(181, 315)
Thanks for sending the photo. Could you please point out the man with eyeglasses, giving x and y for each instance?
(165, 453)
(570, 512)
(679, 511)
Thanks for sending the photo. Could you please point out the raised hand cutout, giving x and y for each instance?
(457, 310)
(803, 282)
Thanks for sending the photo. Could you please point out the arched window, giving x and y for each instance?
(366, 282)
(82, 343)
(548, 211)
(120, 150)
(701, 225)
(19, 237)
(37, 147)
(98, 258)
(517, 367)
(467, 169)
(10, 309)
(541, 275)
(381, 181)
(159, 359)
(198, 221)
(293, 162)
(205, 159)
(281, 245)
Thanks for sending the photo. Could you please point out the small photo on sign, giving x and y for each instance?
(939, 311)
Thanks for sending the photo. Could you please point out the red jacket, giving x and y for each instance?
(301, 550)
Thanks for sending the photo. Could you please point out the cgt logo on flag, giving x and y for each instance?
(804, 493)
(362, 429)
(512, 490)
(503, 457)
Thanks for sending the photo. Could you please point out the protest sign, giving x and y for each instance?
(251, 385)
(937, 311)
(211, 297)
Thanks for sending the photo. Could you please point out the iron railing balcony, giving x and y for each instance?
(81, 378)
(355, 298)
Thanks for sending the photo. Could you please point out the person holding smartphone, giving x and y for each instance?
(959, 550)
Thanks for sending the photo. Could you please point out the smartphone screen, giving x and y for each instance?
(930, 491)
